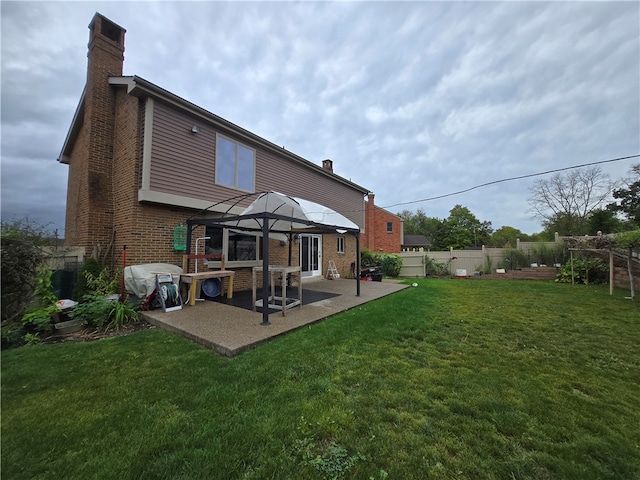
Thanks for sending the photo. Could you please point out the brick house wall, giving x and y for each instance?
(377, 238)
(90, 195)
(104, 212)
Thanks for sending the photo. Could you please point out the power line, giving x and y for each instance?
(511, 179)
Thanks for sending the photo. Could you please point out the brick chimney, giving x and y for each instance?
(327, 165)
(89, 219)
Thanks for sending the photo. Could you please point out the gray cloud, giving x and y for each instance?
(411, 100)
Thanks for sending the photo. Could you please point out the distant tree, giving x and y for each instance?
(605, 221)
(507, 236)
(538, 237)
(564, 202)
(414, 223)
(562, 224)
(629, 198)
(462, 229)
(420, 224)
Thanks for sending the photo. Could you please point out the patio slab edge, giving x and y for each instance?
(239, 330)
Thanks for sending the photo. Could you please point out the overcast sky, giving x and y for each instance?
(410, 100)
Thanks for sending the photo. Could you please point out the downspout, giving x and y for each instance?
(188, 250)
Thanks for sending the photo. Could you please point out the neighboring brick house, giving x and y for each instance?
(143, 160)
(385, 230)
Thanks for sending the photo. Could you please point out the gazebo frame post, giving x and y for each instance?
(357, 235)
(265, 271)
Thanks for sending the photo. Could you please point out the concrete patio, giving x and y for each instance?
(231, 330)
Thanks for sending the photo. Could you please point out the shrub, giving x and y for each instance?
(369, 258)
(514, 259)
(435, 268)
(81, 289)
(43, 305)
(591, 270)
(39, 320)
(391, 264)
(104, 283)
(544, 255)
(489, 268)
(94, 310)
(628, 239)
(21, 255)
(98, 312)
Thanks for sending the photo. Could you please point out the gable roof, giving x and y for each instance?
(385, 211)
(141, 88)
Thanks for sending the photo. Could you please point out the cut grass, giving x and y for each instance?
(452, 379)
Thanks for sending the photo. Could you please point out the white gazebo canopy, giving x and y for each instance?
(287, 214)
(274, 212)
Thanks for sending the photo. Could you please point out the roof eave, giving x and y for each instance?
(74, 129)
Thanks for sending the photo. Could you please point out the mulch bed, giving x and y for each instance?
(92, 334)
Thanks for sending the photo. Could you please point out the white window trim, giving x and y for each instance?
(344, 246)
(235, 263)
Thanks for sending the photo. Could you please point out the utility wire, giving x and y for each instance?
(511, 179)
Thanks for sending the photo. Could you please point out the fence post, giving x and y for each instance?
(611, 271)
(485, 266)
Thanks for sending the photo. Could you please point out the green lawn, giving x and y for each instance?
(453, 379)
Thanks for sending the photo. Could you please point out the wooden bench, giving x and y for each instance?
(192, 279)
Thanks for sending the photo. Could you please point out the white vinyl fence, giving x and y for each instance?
(473, 262)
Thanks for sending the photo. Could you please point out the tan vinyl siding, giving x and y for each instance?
(183, 163)
(293, 179)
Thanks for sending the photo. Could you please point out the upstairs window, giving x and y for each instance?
(235, 164)
(340, 245)
(389, 227)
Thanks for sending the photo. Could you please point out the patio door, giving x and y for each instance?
(311, 255)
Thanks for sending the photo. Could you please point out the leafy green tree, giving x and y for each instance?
(603, 220)
(462, 229)
(507, 236)
(564, 224)
(420, 224)
(538, 237)
(629, 198)
(413, 222)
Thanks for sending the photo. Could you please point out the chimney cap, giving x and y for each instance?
(98, 15)
(102, 26)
